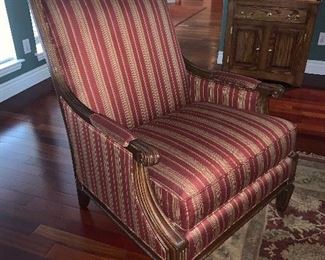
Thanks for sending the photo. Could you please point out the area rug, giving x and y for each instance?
(181, 13)
(299, 234)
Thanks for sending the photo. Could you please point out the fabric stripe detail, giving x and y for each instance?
(120, 58)
(226, 92)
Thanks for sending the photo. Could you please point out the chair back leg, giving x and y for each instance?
(83, 198)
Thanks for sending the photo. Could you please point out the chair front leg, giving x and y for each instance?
(283, 199)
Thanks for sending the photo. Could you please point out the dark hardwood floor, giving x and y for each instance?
(39, 214)
(199, 36)
(306, 107)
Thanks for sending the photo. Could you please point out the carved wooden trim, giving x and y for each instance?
(267, 91)
(144, 153)
(176, 243)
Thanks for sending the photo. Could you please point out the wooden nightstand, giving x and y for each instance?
(269, 39)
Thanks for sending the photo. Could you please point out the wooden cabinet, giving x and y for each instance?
(269, 39)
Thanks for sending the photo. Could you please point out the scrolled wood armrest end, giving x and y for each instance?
(144, 153)
(271, 90)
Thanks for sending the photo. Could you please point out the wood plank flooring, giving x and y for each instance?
(199, 36)
(306, 108)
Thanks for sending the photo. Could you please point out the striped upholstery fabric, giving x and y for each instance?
(228, 91)
(110, 128)
(106, 169)
(219, 221)
(208, 154)
(120, 58)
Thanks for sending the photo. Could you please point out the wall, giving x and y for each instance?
(21, 27)
(223, 25)
(316, 52)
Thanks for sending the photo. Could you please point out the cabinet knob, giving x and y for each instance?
(242, 12)
(270, 50)
(258, 48)
(269, 14)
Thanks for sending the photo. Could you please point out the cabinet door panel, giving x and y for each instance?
(246, 47)
(285, 47)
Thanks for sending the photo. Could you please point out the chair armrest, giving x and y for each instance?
(271, 89)
(144, 153)
(118, 133)
(230, 89)
(227, 78)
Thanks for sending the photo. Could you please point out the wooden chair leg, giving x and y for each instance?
(83, 198)
(282, 200)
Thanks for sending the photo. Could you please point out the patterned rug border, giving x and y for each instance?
(311, 157)
(297, 234)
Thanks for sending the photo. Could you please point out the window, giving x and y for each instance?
(39, 47)
(7, 50)
(8, 59)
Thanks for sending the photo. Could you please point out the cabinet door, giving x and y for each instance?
(246, 46)
(285, 50)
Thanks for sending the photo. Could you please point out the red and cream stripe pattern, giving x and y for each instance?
(120, 58)
(219, 221)
(106, 169)
(226, 90)
(108, 127)
(209, 153)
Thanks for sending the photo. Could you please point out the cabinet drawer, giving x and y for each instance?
(271, 13)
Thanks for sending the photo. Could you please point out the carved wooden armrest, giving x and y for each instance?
(271, 90)
(267, 91)
(144, 153)
(226, 78)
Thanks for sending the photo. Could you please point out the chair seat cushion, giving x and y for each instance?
(209, 153)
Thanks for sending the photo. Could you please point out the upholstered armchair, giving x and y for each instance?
(178, 157)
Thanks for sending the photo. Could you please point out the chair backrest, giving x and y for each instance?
(120, 58)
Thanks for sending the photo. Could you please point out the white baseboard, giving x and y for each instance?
(12, 87)
(313, 66)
